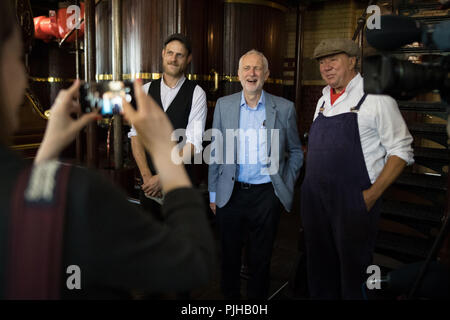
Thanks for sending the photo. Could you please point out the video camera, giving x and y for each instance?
(403, 80)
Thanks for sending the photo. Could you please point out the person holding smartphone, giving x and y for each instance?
(117, 248)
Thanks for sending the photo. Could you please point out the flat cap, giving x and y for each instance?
(333, 46)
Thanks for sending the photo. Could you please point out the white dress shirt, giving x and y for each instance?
(382, 130)
(197, 116)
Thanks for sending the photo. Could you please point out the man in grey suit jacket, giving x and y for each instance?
(255, 160)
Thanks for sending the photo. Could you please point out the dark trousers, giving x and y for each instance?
(251, 213)
(153, 207)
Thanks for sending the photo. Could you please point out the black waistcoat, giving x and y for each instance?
(178, 111)
(180, 108)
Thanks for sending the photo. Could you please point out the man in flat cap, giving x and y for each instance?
(358, 145)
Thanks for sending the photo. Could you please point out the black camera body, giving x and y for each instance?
(401, 79)
(106, 97)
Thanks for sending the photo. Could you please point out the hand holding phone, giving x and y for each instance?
(62, 127)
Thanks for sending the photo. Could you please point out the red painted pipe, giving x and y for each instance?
(55, 26)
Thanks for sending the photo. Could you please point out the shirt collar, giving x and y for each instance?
(179, 83)
(261, 102)
(357, 80)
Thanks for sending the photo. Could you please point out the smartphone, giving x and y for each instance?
(106, 96)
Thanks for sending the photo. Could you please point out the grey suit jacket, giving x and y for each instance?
(283, 148)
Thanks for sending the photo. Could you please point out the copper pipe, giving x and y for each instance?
(77, 55)
(76, 27)
(78, 140)
(89, 76)
(117, 76)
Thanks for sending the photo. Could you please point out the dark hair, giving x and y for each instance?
(8, 23)
(179, 37)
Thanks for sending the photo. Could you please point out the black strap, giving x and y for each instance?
(360, 102)
(321, 108)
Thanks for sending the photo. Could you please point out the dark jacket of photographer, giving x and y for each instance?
(118, 249)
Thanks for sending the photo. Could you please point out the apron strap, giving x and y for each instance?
(321, 107)
(356, 109)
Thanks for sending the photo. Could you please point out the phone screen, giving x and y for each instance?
(106, 97)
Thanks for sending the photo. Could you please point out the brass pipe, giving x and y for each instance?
(117, 76)
(155, 76)
(215, 75)
(270, 4)
(36, 105)
(26, 146)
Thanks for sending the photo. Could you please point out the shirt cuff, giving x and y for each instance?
(212, 197)
(408, 157)
(197, 147)
(132, 133)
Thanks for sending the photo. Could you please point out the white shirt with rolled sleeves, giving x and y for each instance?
(197, 116)
(382, 129)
